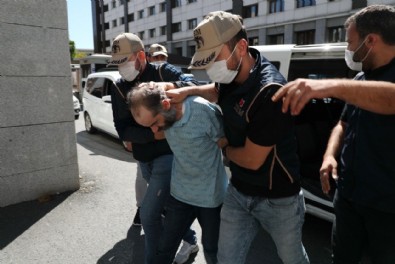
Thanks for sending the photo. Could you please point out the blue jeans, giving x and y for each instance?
(360, 229)
(179, 217)
(157, 173)
(242, 216)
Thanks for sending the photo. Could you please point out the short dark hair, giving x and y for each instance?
(242, 34)
(378, 19)
(148, 95)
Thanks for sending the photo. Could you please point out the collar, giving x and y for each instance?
(186, 112)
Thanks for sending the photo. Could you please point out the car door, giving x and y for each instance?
(106, 116)
(93, 99)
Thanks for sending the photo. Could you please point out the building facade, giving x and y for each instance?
(38, 152)
(171, 22)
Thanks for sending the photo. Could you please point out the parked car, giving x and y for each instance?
(314, 124)
(97, 102)
(77, 107)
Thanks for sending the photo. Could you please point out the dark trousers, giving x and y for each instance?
(179, 217)
(359, 231)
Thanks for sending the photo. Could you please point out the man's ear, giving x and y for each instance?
(243, 47)
(141, 55)
(166, 104)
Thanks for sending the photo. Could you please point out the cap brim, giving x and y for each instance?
(159, 53)
(118, 60)
(205, 58)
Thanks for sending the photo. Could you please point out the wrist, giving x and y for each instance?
(224, 148)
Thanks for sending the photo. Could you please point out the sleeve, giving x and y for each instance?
(128, 129)
(215, 129)
(267, 123)
(344, 116)
(171, 74)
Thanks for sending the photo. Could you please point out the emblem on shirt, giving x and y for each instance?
(239, 107)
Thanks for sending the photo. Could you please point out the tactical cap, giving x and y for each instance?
(211, 34)
(157, 49)
(123, 46)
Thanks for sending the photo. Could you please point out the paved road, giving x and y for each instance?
(93, 224)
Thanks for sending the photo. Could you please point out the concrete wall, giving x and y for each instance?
(37, 134)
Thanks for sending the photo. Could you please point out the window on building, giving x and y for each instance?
(106, 26)
(131, 17)
(141, 14)
(192, 23)
(336, 34)
(305, 37)
(122, 21)
(191, 1)
(276, 6)
(178, 51)
(107, 43)
(191, 50)
(359, 4)
(275, 39)
(114, 23)
(175, 3)
(253, 41)
(120, 2)
(141, 35)
(303, 3)
(105, 8)
(250, 11)
(163, 30)
(176, 27)
(151, 10)
(162, 7)
(114, 4)
(152, 33)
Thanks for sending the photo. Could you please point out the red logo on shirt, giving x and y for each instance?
(241, 103)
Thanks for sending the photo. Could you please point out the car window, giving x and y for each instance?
(107, 90)
(95, 86)
(319, 69)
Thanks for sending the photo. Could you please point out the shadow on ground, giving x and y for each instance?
(16, 219)
(127, 251)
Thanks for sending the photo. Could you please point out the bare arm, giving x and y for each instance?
(250, 156)
(374, 96)
(207, 91)
(329, 163)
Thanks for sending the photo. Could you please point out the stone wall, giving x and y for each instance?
(37, 133)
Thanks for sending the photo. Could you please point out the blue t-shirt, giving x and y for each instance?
(198, 174)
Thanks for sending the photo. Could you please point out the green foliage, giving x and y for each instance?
(80, 55)
(72, 49)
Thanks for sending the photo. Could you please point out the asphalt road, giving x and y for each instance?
(93, 224)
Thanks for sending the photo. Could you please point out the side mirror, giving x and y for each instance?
(107, 99)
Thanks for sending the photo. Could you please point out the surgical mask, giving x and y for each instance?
(219, 72)
(349, 57)
(158, 62)
(128, 71)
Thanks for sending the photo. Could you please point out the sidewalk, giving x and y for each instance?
(94, 224)
(91, 225)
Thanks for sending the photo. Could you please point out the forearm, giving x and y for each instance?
(335, 140)
(373, 96)
(207, 91)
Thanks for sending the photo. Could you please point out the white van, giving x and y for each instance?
(97, 102)
(314, 124)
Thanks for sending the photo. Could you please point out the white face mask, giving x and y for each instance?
(349, 57)
(158, 62)
(128, 71)
(219, 72)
